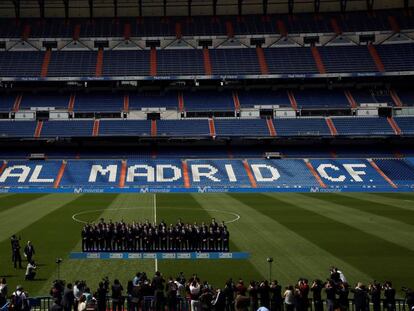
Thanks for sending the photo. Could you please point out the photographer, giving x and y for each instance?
(360, 297)
(15, 246)
(375, 294)
(3, 292)
(316, 289)
(68, 299)
(30, 271)
(389, 294)
(409, 297)
(117, 299)
(101, 293)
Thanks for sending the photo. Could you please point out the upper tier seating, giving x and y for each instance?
(362, 126)
(71, 64)
(7, 102)
(263, 97)
(397, 57)
(301, 127)
(183, 128)
(203, 25)
(180, 62)
(125, 128)
(150, 99)
(239, 127)
(208, 101)
(290, 61)
(102, 102)
(190, 62)
(406, 124)
(321, 98)
(347, 59)
(125, 63)
(67, 128)
(234, 61)
(49, 99)
(17, 128)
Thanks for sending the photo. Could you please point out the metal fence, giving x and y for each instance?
(148, 304)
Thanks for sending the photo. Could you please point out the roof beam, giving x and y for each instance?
(265, 5)
(115, 8)
(41, 8)
(214, 7)
(66, 4)
(16, 4)
(316, 5)
(370, 5)
(343, 5)
(140, 7)
(165, 8)
(189, 7)
(90, 8)
(291, 4)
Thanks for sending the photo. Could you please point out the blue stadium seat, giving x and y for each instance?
(253, 98)
(362, 126)
(301, 127)
(99, 102)
(321, 99)
(17, 128)
(125, 128)
(406, 124)
(183, 128)
(208, 101)
(290, 61)
(241, 127)
(148, 99)
(67, 128)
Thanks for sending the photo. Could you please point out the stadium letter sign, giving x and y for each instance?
(22, 172)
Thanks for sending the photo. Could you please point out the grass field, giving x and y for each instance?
(369, 236)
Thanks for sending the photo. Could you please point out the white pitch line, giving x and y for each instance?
(155, 222)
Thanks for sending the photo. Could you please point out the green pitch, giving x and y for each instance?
(368, 236)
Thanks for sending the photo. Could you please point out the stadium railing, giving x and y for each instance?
(44, 303)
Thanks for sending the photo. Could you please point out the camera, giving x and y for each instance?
(269, 259)
(59, 260)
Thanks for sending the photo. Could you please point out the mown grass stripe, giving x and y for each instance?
(394, 200)
(372, 206)
(264, 236)
(312, 219)
(53, 236)
(127, 207)
(189, 209)
(20, 216)
(379, 226)
(9, 201)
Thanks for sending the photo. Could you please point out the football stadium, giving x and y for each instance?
(207, 155)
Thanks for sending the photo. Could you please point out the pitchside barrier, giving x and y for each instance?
(161, 256)
(183, 304)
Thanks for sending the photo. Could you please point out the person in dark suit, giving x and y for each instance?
(389, 294)
(375, 293)
(68, 299)
(360, 297)
(16, 257)
(29, 251)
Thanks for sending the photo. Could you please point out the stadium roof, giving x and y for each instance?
(108, 8)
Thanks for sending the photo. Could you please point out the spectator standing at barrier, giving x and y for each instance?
(19, 300)
(157, 285)
(116, 294)
(172, 294)
(82, 303)
(316, 289)
(206, 299)
(289, 298)
(253, 295)
(389, 294)
(264, 293)
(375, 294)
(15, 246)
(343, 293)
(195, 292)
(68, 298)
(360, 297)
(275, 296)
(330, 295)
(100, 295)
(29, 251)
(3, 292)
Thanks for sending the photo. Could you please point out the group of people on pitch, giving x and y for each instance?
(150, 237)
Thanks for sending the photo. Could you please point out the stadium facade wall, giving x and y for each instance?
(232, 175)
